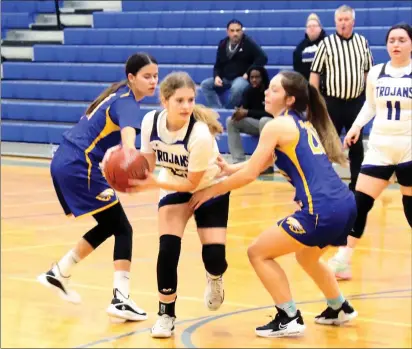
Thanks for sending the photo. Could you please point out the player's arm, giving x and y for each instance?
(368, 110)
(145, 147)
(274, 133)
(126, 113)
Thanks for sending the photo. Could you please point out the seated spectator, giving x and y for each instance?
(251, 117)
(235, 55)
(305, 52)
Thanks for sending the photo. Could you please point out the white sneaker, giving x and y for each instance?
(124, 309)
(214, 292)
(341, 269)
(59, 284)
(164, 327)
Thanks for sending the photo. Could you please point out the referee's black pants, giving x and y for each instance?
(343, 114)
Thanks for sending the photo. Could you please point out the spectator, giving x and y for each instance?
(346, 59)
(251, 117)
(305, 51)
(235, 55)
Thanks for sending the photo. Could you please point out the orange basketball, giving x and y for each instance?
(118, 172)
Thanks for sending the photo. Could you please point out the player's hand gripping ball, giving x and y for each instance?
(123, 165)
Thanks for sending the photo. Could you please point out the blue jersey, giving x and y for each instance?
(306, 166)
(99, 131)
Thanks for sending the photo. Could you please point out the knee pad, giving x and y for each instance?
(167, 262)
(96, 236)
(123, 239)
(407, 207)
(214, 258)
(114, 219)
(364, 204)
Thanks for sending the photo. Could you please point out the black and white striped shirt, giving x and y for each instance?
(345, 62)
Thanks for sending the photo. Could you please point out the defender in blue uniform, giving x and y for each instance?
(303, 141)
(113, 118)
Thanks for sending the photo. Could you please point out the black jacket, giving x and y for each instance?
(254, 98)
(248, 53)
(305, 53)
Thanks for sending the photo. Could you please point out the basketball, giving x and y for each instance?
(118, 172)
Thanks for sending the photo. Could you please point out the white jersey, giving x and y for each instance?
(191, 149)
(389, 99)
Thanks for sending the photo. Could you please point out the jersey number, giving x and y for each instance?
(397, 106)
(314, 142)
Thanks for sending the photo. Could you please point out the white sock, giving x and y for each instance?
(121, 282)
(63, 267)
(344, 254)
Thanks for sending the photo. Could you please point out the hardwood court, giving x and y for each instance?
(35, 233)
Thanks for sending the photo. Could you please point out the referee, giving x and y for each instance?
(345, 57)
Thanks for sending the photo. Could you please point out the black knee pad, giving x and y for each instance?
(123, 239)
(114, 219)
(214, 258)
(167, 262)
(364, 204)
(407, 208)
(96, 236)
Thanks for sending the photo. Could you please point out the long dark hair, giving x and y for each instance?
(309, 100)
(133, 64)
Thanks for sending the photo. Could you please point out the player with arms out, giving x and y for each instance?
(181, 139)
(303, 146)
(389, 100)
(81, 188)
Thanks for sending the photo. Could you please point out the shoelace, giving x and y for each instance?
(216, 288)
(165, 322)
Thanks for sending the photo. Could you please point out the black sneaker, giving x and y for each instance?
(123, 309)
(337, 317)
(283, 326)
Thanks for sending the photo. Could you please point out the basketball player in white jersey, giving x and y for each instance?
(181, 140)
(389, 99)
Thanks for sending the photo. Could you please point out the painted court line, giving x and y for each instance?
(187, 333)
(186, 336)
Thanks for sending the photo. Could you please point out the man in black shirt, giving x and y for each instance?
(235, 55)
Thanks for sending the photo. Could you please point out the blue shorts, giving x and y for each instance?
(77, 195)
(329, 227)
(214, 213)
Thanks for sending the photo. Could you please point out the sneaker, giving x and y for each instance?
(214, 292)
(342, 270)
(124, 309)
(164, 327)
(60, 284)
(283, 326)
(337, 317)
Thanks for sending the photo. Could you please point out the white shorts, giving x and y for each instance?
(388, 150)
(388, 156)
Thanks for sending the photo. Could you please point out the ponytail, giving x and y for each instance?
(317, 115)
(209, 117)
(106, 93)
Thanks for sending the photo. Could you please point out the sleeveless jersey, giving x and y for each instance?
(175, 151)
(306, 166)
(393, 101)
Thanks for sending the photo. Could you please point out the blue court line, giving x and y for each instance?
(187, 333)
(186, 337)
(127, 334)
